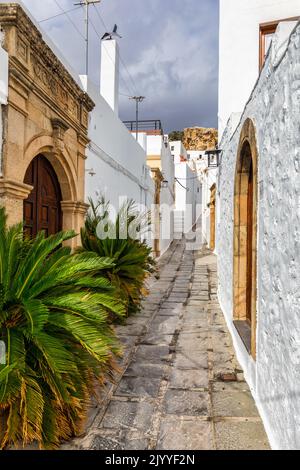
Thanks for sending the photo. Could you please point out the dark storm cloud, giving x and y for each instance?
(170, 48)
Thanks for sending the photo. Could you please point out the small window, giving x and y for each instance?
(266, 34)
(172, 148)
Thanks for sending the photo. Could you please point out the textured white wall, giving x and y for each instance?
(167, 196)
(3, 93)
(209, 179)
(275, 376)
(189, 177)
(239, 48)
(182, 172)
(186, 195)
(178, 150)
(109, 75)
(118, 160)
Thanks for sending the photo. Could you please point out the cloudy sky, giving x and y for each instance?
(169, 48)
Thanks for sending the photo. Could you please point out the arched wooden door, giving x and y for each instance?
(42, 208)
(245, 251)
(249, 253)
(213, 217)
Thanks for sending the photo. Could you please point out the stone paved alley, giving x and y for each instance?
(181, 387)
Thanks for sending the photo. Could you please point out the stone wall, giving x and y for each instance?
(3, 92)
(47, 114)
(200, 138)
(274, 109)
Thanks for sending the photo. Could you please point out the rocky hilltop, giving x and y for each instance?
(200, 138)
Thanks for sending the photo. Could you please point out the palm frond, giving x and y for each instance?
(133, 261)
(55, 322)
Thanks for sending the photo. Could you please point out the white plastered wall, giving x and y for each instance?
(274, 377)
(118, 161)
(239, 48)
(167, 196)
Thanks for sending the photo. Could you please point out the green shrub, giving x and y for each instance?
(133, 261)
(53, 320)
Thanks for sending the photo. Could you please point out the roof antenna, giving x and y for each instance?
(138, 100)
(87, 4)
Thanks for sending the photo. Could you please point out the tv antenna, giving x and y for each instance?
(138, 100)
(87, 4)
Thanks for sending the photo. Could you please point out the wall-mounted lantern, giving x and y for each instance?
(213, 158)
(165, 184)
(90, 171)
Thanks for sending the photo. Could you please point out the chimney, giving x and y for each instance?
(109, 79)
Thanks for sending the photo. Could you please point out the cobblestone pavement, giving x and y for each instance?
(181, 387)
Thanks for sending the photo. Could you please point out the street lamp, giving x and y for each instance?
(213, 158)
(90, 171)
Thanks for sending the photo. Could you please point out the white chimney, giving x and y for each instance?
(109, 79)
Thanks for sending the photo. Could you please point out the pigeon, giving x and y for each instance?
(113, 34)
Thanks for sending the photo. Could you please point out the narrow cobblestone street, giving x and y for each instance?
(181, 386)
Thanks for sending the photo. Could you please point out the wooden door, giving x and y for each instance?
(249, 245)
(42, 209)
(213, 217)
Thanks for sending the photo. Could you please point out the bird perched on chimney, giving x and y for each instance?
(112, 35)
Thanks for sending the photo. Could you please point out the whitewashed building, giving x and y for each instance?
(121, 166)
(195, 186)
(160, 160)
(116, 164)
(246, 29)
(188, 188)
(207, 177)
(258, 217)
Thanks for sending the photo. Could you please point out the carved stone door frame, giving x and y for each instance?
(245, 239)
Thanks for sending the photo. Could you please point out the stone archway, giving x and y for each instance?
(212, 207)
(42, 208)
(54, 150)
(56, 153)
(47, 114)
(245, 238)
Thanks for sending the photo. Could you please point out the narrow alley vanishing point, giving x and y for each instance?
(181, 386)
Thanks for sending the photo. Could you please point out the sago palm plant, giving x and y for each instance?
(133, 261)
(53, 321)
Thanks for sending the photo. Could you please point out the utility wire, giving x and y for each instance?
(129, 75)
(121, 75)
(58, 14)
(184, 187)
(66, 13)
(98, 35)
(121, 58)
(100, 17)
(186, 179)
(70, 19)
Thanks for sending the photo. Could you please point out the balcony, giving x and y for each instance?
(149, 127)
